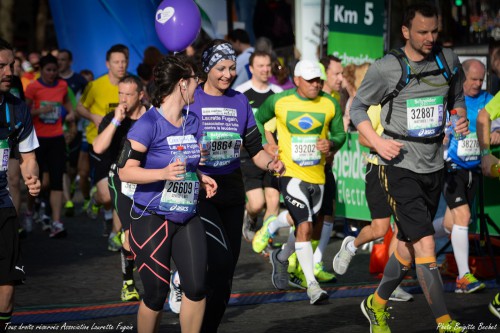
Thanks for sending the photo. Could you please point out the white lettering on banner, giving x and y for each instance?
(218, 112)
(348, 16)
(349, 164)
(357, 60)
(350, 196)
(179, 139)
(343, 15)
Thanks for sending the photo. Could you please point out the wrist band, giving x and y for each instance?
(115, 122)
(485, 151)
(267, 166)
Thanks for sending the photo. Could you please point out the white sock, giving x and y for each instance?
(278, 223)
(326, 232)
(288, 249)
(304, 252)
(282, 217)
(460, 242)
(351, 247)
(108, 214)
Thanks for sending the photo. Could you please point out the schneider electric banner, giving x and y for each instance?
(349, 169)
(356, 30)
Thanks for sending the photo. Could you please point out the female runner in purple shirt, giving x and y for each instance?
(227, 121)
(165, 218)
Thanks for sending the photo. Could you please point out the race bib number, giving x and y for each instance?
(128, 189)
(181, 196)
(424, 116)
(4, 155)
(224, 148)
(52, 116)
(468, 148)
(304, 151)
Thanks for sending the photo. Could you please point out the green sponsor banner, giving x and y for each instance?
(356, 30)
(349, 169)
(354, 48)
(491, 203)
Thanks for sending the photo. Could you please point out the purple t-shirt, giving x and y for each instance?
(175, 200)
(226, 120)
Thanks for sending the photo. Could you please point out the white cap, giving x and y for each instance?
(307, 69)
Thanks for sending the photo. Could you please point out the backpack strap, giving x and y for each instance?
(407, 75)
(14, 129)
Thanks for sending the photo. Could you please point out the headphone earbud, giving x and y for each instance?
(184, 85)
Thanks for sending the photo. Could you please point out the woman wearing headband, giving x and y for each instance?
(227, 122)
(165, 222)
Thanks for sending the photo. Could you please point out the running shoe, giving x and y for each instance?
(468, 284)
(85, 205)
(315, 293)
(175, 295)
(322, 275)
(69, 209)
(399, 295)
(280, 271)
(92, 208)
(249, 228)
(129, 292)
(45, 221)
(343, 257)
(57, 230)
(376, 317)
(293, 263)
(297, 280)
(262, 236)
(115, 242)
(494, 306)
(452, 326)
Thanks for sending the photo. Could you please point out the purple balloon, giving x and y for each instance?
(177, 23)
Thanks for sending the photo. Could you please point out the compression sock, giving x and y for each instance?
(460, 242)
(326, 232)
(305, 256)
(432, 287)
(288, 249)
(127, 259)
(278, 223)
(394, 272)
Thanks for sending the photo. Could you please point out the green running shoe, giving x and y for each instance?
(262, 236)
(129, 292)
(322, 275)
(377, 318)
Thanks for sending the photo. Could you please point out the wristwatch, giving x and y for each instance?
(485, 151)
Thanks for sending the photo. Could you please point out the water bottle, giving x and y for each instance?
(205, 145)
(179, 155)
(454, 118)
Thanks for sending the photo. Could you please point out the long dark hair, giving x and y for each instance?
(169, 71)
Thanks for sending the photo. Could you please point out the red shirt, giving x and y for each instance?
(48, 125)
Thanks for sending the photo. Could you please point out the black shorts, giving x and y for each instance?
(460, 187)
(122, 204)
(329, 193)
(74, 150)
(11, 267)
(413, 198)
(375, 196)
(99, 166)
(256, 178)
(51, 158)
(302, 199)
